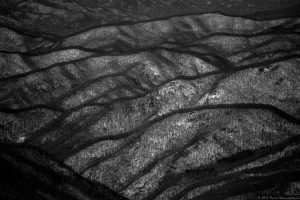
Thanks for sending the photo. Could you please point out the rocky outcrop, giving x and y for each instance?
(187, 107)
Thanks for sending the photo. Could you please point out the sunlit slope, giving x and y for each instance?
(186, 107)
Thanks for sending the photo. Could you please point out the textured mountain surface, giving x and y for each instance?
(194, 106)
(64, 17)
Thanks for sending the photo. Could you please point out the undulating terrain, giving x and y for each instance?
(153, 99)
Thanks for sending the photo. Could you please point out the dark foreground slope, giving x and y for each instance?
(202, 106)
(29, 173)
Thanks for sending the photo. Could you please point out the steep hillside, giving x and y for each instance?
(29, 173)
(192, 106)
